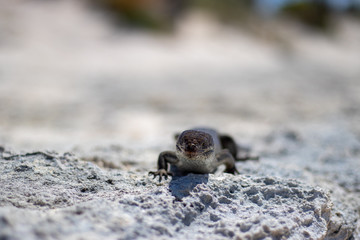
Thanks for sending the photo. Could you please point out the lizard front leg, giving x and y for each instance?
(165, 158)
(226, 158)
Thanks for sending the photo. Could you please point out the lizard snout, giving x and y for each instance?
(191, 147)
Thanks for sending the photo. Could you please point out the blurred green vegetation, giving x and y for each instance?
(162, 14)
(226, 11)
(316, 14)
(149, 14)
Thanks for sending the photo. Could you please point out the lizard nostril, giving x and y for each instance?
(191, 147)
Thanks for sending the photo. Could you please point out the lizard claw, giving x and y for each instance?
(161, 173)
(233, 171)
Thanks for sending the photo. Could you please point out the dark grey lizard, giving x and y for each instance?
(200, 150)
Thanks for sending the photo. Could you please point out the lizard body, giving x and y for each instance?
(199, 150)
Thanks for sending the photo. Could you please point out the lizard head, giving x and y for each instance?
(195, 145)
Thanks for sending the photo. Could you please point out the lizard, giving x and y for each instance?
(200, 150)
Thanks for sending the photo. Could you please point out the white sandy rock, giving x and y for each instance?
(50, 196)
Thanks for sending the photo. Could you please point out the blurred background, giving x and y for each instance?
(132, 72)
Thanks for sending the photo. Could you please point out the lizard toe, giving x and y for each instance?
(161, 173)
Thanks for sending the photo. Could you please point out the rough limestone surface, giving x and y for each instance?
(295, 191)
(57, 196)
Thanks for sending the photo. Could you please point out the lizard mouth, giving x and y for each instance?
(194, 153)
(198, 154)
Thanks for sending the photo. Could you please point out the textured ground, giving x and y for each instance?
(284, 195)
(74, 199)
(85, 108)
